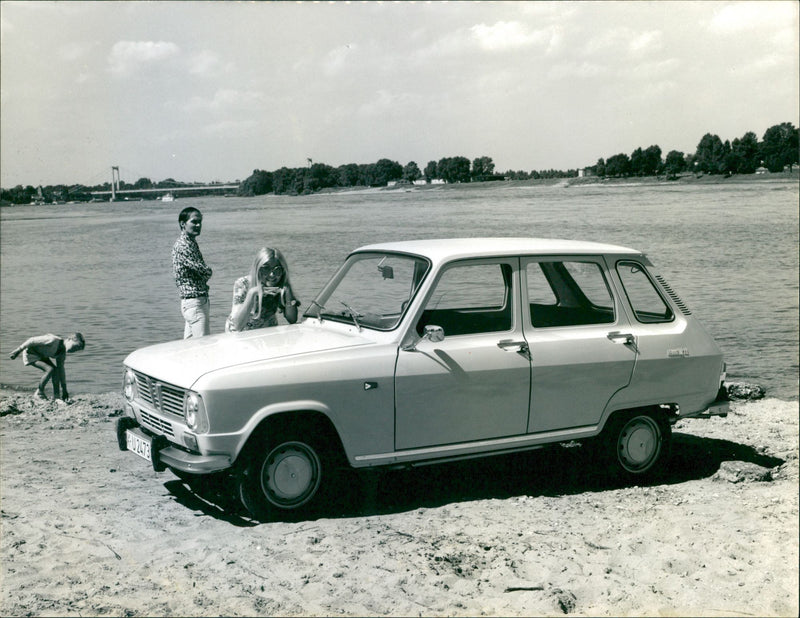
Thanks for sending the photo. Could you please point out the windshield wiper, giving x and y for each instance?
(353, 314)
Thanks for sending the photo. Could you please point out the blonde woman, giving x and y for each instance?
(260, 295)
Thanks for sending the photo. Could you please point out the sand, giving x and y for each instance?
(90, 530)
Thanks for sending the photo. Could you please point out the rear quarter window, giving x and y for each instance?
(648, 305)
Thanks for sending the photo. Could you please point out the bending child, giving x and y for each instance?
(40, 352)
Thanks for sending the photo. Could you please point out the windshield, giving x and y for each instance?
(371, 290)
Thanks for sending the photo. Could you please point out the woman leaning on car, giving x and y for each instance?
(261, 294)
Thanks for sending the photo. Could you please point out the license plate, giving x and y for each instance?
(138, 445)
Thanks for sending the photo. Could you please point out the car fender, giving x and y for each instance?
(271, 411)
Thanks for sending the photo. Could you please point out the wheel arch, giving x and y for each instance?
(667, 411)
(304, 421)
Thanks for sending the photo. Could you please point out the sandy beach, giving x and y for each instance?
(90, 530)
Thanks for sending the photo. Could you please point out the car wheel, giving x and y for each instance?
(637, 444)
(282, 477)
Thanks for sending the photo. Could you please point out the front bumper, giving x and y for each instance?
(164, 454)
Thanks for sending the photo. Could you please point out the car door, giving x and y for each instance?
(475, 383)
(582, 347)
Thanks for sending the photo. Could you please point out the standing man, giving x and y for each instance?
(191, 274)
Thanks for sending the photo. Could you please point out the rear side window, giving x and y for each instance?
(568, 294)
(647, 303)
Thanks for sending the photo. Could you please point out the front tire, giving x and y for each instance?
(283, 477)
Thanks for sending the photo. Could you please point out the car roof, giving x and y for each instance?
(446, 249)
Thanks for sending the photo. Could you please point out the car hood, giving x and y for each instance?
(184, 361)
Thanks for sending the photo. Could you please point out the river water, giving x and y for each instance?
(729, 250)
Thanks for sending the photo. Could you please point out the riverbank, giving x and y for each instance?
(681, 179)
(90, 530)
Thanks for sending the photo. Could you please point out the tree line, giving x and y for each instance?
(318, 176)
(777, 150)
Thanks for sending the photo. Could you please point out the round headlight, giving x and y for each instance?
(192, 406)
(195, 414)
(129, 385)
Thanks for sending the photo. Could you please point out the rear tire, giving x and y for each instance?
(637, 445)
(283, 477)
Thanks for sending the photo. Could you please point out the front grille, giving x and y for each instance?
(681, 305)
(156, 424)
(160, 396)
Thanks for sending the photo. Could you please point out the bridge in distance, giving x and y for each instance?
(114, 192)
(115, 187)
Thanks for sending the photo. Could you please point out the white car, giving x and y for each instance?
(430, 351)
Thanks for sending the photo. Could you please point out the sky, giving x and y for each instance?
(209, 91)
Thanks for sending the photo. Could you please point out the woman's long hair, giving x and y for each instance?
(264, 255)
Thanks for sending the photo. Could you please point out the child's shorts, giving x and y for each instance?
(32, 356)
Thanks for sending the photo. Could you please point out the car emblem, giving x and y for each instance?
(157, 395)
(678, 352)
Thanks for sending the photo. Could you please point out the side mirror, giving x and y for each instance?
(434, 333)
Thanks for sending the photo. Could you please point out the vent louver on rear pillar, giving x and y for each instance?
(681, 305)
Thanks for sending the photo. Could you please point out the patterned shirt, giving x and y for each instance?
(191, 272)
(270, 304)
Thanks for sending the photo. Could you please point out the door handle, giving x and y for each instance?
(508, 345)
(618, 337)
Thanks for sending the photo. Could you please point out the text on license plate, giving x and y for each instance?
(138, 445)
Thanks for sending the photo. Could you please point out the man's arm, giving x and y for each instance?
(186, 259)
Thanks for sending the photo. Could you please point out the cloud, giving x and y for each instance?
(606, 40)
(230, 128)
(767, 62)
(571, 69)
(75, 50)
(503, 35)
(129, 56)
(652, 40)
(385, 104)
(742, 16)
(225, 100)
(336, 59)
(205, 63)
(647, 71)
(617, 40)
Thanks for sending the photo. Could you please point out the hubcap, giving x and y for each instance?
(639, 444)
(291, 475)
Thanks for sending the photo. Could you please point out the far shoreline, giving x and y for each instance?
(682, 179)
(565, 182)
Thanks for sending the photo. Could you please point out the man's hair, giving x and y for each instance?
(79, 338)
(187, 212)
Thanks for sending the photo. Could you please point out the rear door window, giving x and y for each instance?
(568, 293)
